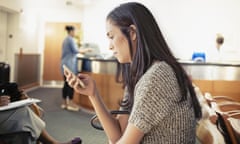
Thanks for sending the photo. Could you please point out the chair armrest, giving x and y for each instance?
(222, 98)
(96, 123)
(229, 106)
(236, 115)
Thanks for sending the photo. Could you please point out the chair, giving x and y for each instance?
(204, 135)
(207, 133)
(228, 121)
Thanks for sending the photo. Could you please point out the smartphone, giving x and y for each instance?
(67, 71)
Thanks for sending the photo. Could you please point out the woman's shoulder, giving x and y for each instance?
(159, 69)
(160, 74)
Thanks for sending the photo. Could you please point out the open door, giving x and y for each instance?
(54, 36)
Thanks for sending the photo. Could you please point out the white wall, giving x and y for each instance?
(188, 25)
(3, 35)
(28, 25)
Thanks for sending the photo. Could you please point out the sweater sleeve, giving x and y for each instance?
(73, 46)
(155, 95)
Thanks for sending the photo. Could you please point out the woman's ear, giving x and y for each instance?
(132, 32)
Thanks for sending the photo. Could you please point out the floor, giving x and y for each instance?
(62, 124)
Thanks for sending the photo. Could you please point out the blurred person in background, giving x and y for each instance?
(69, 58)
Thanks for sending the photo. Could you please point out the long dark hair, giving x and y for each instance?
(151, 46)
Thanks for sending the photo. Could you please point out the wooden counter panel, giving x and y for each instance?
(114, 92)
(110, 91)
(204, 85)
(227, 88)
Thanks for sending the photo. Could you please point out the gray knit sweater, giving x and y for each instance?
(157, 111)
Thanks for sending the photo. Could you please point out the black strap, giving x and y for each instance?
(221, 126)
(94, 119)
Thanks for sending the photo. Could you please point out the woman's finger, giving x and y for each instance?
(72, 81)
(77, 86)
(83, 76)
(4, 100)
(69, 77)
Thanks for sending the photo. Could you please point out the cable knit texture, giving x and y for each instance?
(157, 111)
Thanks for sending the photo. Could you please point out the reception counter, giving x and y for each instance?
(217, 78)
(103, 72)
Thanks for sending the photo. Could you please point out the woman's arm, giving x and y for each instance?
(73, 46)
(117, 129)
(132, 135)
(111, 125)
(85, 50)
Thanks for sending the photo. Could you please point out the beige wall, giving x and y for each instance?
(27, 24)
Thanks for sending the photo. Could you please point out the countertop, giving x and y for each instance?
(184, 62)
(109, 59)
(212, 63)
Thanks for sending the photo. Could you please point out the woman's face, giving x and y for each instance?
(118, 43)
(72, 33)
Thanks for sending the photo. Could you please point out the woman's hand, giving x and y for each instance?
(90, 86)
(4, 100)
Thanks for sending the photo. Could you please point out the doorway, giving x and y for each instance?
(54, 36)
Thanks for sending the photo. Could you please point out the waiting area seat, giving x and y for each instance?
(228, 116)
(220, 123)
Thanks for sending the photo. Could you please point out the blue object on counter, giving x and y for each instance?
(199, 57)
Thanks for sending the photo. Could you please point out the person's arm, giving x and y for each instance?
(73, 46)
(85, 50)
(112, 126)
(117, 129)
(132, 135)
(4, 100)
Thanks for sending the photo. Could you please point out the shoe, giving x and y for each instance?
(71, 108)
(63, 106)
(76, 140)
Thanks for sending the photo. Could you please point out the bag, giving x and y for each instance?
(4, 72)
(10, 89)
(225, 127)
(222, 127)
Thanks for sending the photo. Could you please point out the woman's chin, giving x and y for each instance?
(122, 61)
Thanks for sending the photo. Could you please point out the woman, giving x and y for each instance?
(69, 58)
(159, 95)
(23, 119)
